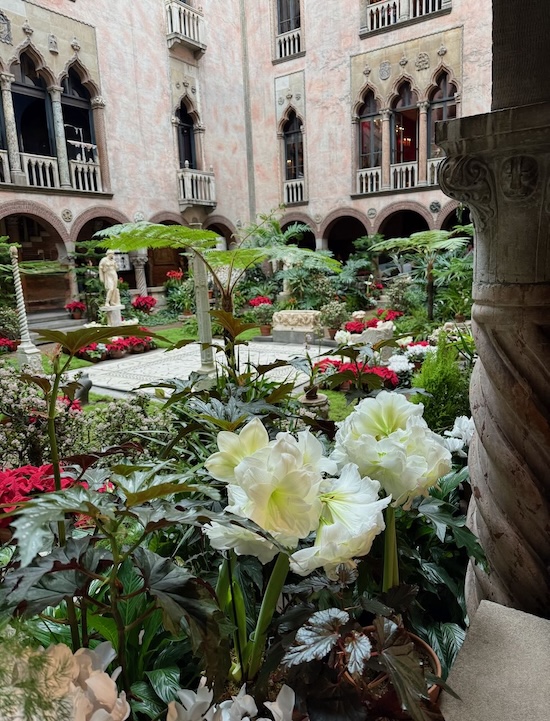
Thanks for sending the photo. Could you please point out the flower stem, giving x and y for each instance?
(391, 567)
(267, 609)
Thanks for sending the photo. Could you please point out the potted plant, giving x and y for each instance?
(263, 314)
(76, 308)
(118, 347)
(332, 316)
(144, 303)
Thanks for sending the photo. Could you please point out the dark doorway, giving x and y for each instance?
(341, 234)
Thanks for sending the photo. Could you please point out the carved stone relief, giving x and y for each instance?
(5, 29)
(422, 61)
(519, 177)
(468, 179)
(384, 70)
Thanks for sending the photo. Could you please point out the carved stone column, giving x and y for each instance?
(98, 114)
(499, 166)
(17, 174)
(404, 10)
(139, 261)
(28, 354)
(203, 312)
(423, 142)
(386, 149)
(60, 139)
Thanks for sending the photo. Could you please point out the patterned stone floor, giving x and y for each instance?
(128, 374)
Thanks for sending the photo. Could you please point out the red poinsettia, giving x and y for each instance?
(259, 299)
(7, 345)
(174, 274)
(386, 314)
(144, 303)
(19, 485)
(354, 326)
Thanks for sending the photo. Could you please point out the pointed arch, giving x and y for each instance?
(361, 95)
(433, 85)
(37, 58)
(82, 71)
(393, 95)
(190, 107)
(285, 117)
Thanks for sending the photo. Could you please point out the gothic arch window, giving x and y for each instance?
(370, 133)
(186, 137)
(77, 119)
(404, 125)
(288, 15)
(442, 107)
(33, 110)
(294, 147)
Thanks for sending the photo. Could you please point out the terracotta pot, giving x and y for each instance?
(139, 348)
(332, 332)
(345, 386)
(265, 330)
(76, 314)
(115, 354)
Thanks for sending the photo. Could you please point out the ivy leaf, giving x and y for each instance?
(317, 637)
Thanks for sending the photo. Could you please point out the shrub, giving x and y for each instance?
(448, 385)
(264, 313)
(9, 323)
(333, 314)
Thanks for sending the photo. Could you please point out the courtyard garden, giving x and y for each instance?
(223, 547)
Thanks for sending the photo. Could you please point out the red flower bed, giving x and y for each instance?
(18, 485)
(389, 377)
(259, 299)
(354, 326)
(144, 303)
(386, 314)
(372, 323)
(7, 345)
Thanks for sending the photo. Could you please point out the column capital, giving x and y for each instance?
(423, 106)
(386, 113)
(6, 79)
(55, 93)
(139, 261)
(97, 102)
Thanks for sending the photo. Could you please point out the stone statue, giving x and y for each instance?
(108, 275)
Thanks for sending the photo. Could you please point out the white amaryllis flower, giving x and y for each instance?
(389, 441)
(352, 517)
(241, 540)
(460, 436)
(191, 706)
(234, 448)
(342, 337)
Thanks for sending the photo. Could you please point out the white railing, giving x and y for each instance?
(433, 170)
(369, 180)
(85, 176)
(418, 8)
(196, 186)
(4, 167)
(294, 191)
(41, 170)
(383, 14)
(404, 175)
(289, 44)
(184, 21)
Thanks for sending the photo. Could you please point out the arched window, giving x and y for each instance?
(294, 148)
(370, 133)
(288, 13)
(442, 107)
(404, 127)
(32, 106)
(186, 137)
(77, 119)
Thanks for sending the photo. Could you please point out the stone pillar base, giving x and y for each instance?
(18, 177)
(28, 356)
(113, 312)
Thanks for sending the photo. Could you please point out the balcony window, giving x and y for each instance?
(288, 13)
(404, 126)
(370, 133)
(442, 107)
(294, 148)
(77, 119)
(33, 114)
(186, 138)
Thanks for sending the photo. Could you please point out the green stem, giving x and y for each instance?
(267, 609)
(237, 613)
(391, 567)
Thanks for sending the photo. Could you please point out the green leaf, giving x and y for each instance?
(446, 639)
(316, 638)
(407, 678)
(72, 341)
(165, 682)
(440, 514)
(234, 326)
(106, 627)
(144, 700)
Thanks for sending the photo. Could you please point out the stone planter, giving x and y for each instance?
(265, 330)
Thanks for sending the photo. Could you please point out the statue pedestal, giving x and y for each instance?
(113, 313)
(29, 356)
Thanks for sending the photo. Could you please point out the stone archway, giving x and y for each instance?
(459, 215)
(306, 239)
(402, 223)
(341, 233)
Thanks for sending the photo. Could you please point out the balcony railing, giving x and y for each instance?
(85, 176)
(197, 187)
(369, 180)
(294, 191)
(41, 170)
(433, 170)
(288, 44)
(403, 175)
(186, 26)
(382, 14)
(4, 167)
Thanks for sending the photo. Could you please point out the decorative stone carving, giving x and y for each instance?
(98, 102)
(422, 61)
(519, 177)
(305, 320)
(281, 101)
(139, 216)
(385, 70)
(52, 44)
(5, 29)
(442, 51)
(371, 213)
(470, 180)
(75, 45)
(404, 60)
(383, 331)
(435, 206)
(367, 71)
(27, 29)
(67, 215)
(510, 390)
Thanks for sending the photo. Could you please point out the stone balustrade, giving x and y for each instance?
(4, 167)
(369, 180)
(288, 44)
(196, 187)
(185, 25)
(294, 191)
(85, 176)
(404, 175)
(381, 14)
(40, 170)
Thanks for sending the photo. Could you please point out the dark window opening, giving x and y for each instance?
(289, 15)
(404, 126)
(186, 138)
(294, 148)
(78, 119)
(370, 134)
(442, 107)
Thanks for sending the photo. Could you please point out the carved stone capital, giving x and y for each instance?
(423, 106)
(55, 93)
(298, 320)
(6, 79)
(386, 113)
(98, 102)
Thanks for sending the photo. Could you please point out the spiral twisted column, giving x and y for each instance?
(499, 166)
